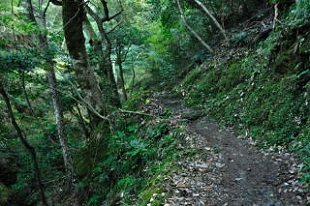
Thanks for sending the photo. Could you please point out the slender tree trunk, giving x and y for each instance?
(119, 61)
(59, 119)
(43, 41)
(121, 73)
(31, 111)
(109, 68)
(81, 121)
(213, 19)
(133, 79)
(192, 30)
(26, 144)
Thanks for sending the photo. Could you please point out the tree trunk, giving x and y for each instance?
(26, 144)
(43, 41)
(133, 79)
(105, 62)
(121, 73)
(79, 117)
(30, 110)
(59, 119)
(72, 12)
(213, 19)
(192, 30)
(119, 61)
(109, 68)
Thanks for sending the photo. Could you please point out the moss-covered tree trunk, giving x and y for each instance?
(73, 30)
(104, 54)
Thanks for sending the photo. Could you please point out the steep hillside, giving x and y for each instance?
(262, 90)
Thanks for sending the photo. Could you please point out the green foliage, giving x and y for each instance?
(158, 55)
(14, 28)
(4, 191)
(17, 61)
(265, 92)
(129, 161)
(137, 99)
(277, 1)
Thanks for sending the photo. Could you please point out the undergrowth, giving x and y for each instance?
(130, 168)
(265, 92)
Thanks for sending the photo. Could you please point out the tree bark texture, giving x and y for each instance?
(105, 62)
(73, 15)
(59, 119)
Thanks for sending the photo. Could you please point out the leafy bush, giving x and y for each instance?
(118, 168)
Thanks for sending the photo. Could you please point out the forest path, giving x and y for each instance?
(227, 169)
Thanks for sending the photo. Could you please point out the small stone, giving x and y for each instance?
(202, 166)
(239, 179)
(180, 185)
(220, 165)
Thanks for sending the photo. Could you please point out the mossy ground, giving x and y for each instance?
(264, 91)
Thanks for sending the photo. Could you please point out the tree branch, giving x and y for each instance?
(91, 32)
(106, 11)
(119, 23)
(56, 2)
(125, 55)
(88, 105)
(192, 30)
(94, 15)
(44, 12)
(213, 19)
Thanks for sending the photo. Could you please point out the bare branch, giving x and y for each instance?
(276, 14)
(93, 14)
(106, 11)
(136, 112)
(192, 30)
(115, 15)
(83, 101)
(88, 105)
(117, 25)
(213, 19)
(125, 55)
(90, 29)
(56, 2)
(44, 12)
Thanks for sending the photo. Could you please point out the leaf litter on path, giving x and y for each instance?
(229, 169)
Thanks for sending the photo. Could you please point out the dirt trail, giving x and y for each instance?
(229, 170)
